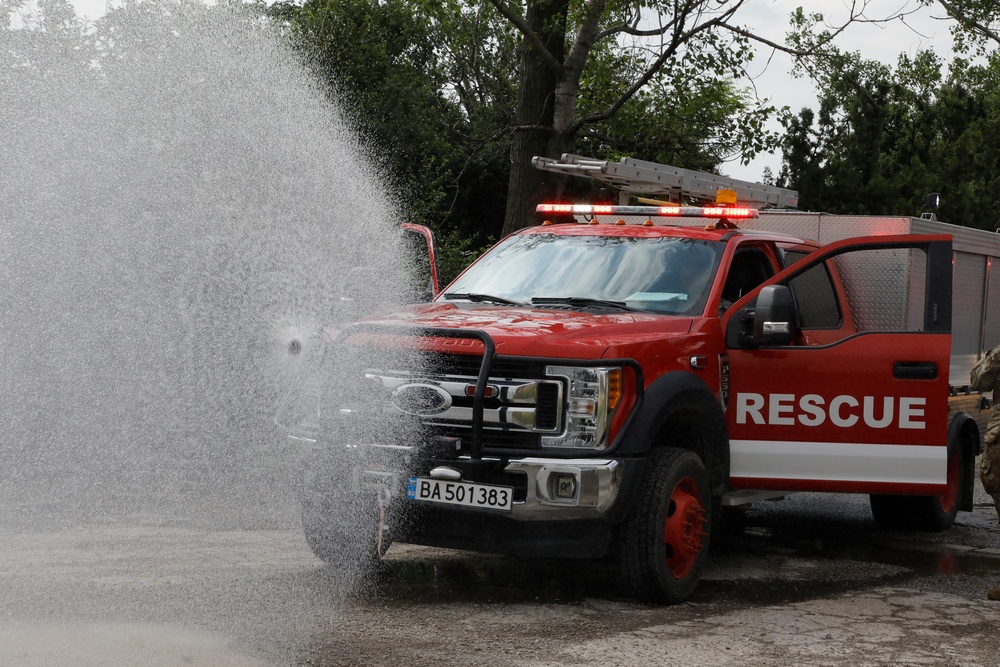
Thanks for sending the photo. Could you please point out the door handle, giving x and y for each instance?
(915, 370)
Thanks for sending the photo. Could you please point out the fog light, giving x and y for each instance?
(564, 485)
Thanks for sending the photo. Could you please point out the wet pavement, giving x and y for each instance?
(805, 581)
(222, 576)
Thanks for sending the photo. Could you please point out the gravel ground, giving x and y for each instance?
(806, 581)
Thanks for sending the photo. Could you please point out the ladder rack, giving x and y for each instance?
(631, 176)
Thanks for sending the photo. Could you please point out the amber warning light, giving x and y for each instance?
(734, 212)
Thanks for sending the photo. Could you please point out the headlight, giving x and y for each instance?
(592, 396)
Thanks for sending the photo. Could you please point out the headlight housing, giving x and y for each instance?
(593, 395)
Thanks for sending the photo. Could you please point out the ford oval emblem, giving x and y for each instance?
(421, 399)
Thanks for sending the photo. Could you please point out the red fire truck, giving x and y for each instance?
(604, 382)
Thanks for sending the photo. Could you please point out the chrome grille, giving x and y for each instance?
(397, 380)
(510, 404)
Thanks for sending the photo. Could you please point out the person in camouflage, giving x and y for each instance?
(989, 465)
(986, 377)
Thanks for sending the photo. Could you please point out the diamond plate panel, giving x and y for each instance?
(877, 285)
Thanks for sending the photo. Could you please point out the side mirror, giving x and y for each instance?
(774, 317)
(421, 255)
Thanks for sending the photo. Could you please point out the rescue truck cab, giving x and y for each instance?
(606, 381)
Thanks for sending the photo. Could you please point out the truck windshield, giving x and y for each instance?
(665, 275)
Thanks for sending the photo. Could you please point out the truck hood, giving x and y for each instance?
(544, 332)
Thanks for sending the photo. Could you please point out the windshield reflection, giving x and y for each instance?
(665, 275)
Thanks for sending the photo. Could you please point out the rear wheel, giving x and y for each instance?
(925, 513)
(667, 534)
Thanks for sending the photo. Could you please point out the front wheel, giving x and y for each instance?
(666, 536)
(343, 528)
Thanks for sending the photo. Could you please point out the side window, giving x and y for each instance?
(816, 299)
(789, 257)
(857, 286)
(750, 267)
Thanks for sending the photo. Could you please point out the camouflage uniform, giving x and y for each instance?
(989, 464)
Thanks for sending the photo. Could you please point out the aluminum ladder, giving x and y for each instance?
(638, 177)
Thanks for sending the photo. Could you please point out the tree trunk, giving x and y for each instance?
(534, 134)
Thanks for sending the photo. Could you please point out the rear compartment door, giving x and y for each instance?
(836, 372)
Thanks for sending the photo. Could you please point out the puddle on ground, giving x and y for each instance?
(853, 539)
(920, 558)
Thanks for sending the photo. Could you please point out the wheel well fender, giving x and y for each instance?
(963, 432)
(679, 410)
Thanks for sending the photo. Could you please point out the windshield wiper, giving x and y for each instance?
(483, 297)
(582, 301)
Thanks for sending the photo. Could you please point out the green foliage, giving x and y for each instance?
(976, 27)
(379, 63)
(454, 253)
(691, 112)
(67, 39)
(883, 138)
(433, 86)
(425, 87)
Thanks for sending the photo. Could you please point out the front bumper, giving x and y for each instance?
(594, 482)
(543, 521)
(546, 489)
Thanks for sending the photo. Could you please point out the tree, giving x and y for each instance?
(883, 138)
(454, 155)
(977, 22)
(685, 115)
(44, 32)
(390, 89)
(429, 89)
(563, 42)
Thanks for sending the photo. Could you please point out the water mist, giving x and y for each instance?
(177, 206)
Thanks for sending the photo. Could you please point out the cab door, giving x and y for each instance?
(838, 371)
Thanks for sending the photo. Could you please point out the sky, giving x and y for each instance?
(924, 28)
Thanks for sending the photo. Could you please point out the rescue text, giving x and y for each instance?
(842, 411)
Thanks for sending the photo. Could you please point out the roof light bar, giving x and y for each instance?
(735, 212)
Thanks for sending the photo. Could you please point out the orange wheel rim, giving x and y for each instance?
(684, 528)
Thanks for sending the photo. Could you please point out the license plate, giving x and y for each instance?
(468, 494)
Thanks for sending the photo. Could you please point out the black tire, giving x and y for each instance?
(341, 527)
(667, 534)
(932, 514)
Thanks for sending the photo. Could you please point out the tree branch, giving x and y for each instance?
(969, 23)
(783, 47)
(676, 41)
(586, 36)
(627, 29)
(856, 16)
(476, 148)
